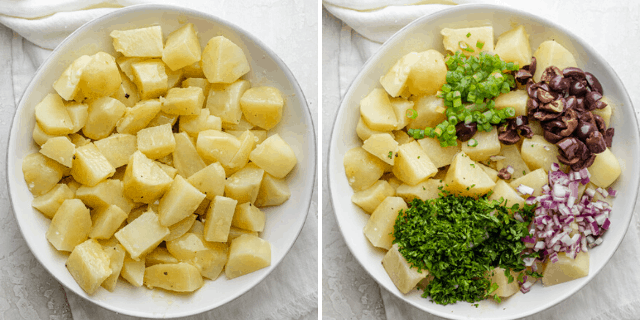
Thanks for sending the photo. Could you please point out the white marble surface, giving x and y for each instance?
(348, 292)
(27, 291)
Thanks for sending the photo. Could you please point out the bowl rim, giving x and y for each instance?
(215, 19)
(379, 52)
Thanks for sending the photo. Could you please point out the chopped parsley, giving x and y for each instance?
(390, 155)
(459, 239)
(468, 34)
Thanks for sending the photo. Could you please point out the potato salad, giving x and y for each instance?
(154, 165)
(486, 168)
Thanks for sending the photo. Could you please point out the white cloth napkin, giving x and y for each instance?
(615, 292)
(291, 290)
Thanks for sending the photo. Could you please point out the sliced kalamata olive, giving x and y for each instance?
(599, 104)
(602, 127)
(555, 106)
(558, 83)
(544, 96)
(544, 86)
(573, 72)
(509, 137)
(579, 103)
(523, 76)
(532, 105)
(608, 137)
(525, 131)
(570, 102)
(593, 82)
(532, 89)
(585, 129)
(570, 147)
(567, 161)
(570, 121)
(578, 89)
(584, 163)
(552, 137)
(465, 131)
(550, 73)
(533, 65)
(595, 142)
(592, 97)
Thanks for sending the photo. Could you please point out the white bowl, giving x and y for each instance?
(284, 222)
(423, 34)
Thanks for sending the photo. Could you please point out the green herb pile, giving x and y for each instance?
(472, 84)
(458, 239)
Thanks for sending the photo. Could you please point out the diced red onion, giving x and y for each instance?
(525, 189)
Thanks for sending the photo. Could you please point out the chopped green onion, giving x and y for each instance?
(479, 45)
(468, 34)
(472, 142)
(412, 114)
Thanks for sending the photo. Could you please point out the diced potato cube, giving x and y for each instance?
(100, 77)
(437, 154)
(457, 40)
(370, 198)
(466, 178)
(247, 254)
(104, 194)
(142, 235)
(537, 153)
(362, 168)
(513, 46)
(198, 227)
(39, 136)
(209, 180)
(248, 217)
(377, 112)
(181, 227)
(364, 132)
(243, 125)
(139, 116)
(90, 166)
(125, 65)
(116, 255)
(144, 181)
(383, 146)
(491, 173)
(551, 53)
(106, 221)
(273, 191)
(244, 184)
(156, 142)
(197, 82)
(78, 113)
(513, 158)
(150, 77)
(505, 288)
(605, 112)
(400, 271)
(400, 107)
(258, 135)
(402, 137)
(488, 145)
(236, 232)
(566, 269)
(431, 112)
(223, 61)
(193, 70)
(70, 225)
(117, 148)
(213, 145)
(185, 156)
(159, 255)
(89, 265)
(163, 118)
(182, 48)
(49, 202)
(275, 156)
(186, 246)
(516, 99)
(605, 169)
(428, 74)
(169, 170)
(241, 158)
(52, 116)
(59, 149)
(179, 277)
(412, 165)
(180, 201)
(127, 93)
(142, 42)
(535, 179)
(219, 216)
(429, 189)
(183, 101)
(133, 271)
(104, 114)
(79, 140)
(379, 228)
(262, 106)
(504, 191)
(212, 260)
(395, 80)
(192, 125)
(224, 101)
(67, 85)
(174, 78)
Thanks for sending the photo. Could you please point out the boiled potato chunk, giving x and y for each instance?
(49, 202)
(192, 125)
(248, 217)
(104, 194)
(223, 61)
(182, 48)
(138, 116)
(400, 107)
(219, 217)
(247, 254)
(241, 158)
(159, 255)
(106, 221)
(605, 112)
(402, 137)
(181, 227)
(605, 169)
(273, 191)
(551, 53)
(67, 85)
(377, 112)
(379, 227)
(244, 185)
(180, 201)
(505, 288)
(142, 235)
(440, 156)
(212, 260)
(503, 191)
(566, 269)
(116, 255)
(236, 232)
(59, 149)
(117, 148)
(538, 153)
(425, 190)
(535, 179)
(89, 265)
(133, 271)
(183, 101)
(150, 77)
(39, 136)
(78, 113)
(400, 271)
(186, 246)
(100, 77)
(513, 46)
(90, 166)
(383, 146)
(224, 101)
(492, 173)
(142, 42)
(275, 156)
(185, 156)
(364, 132)
(214, 145)
(179, 277)
(428, 74)
(395, 80)
(144, 181)
(512, 158)
(362, 168)
(70, 225)
(457, 40)
(209, 180)
(262, 106)
(516, 99)
(156, 142)
(488, 145)
(52, 116)
(431, 112)
(127, 93)
(412, 165)
(466, 178)
(104, 114)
